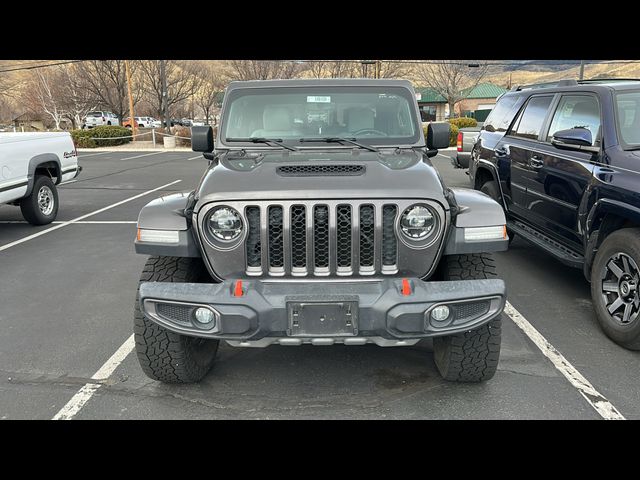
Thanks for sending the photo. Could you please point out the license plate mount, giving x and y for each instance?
(322, 319)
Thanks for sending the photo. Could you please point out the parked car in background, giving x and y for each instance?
(467, 137)
(32, 164)
(563, 160)
(98, 119)
(198, 123)
(140, 122)
(186, 122)
(155, 123)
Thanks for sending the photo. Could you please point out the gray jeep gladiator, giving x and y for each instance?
(319, 220)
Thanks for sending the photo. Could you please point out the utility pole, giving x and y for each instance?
(581, 69)
(132, 118)
(165, 98)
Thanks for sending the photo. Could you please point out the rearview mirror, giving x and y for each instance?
(202, 139)
(438, 135)
(574, 139)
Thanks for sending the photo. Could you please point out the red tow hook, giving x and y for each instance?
(406, 287)
(237, 289)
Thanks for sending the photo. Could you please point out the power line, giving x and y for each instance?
(39, 66)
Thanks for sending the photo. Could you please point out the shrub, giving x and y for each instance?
(109, 132)
(453, 133)
(464, 122)
(81, 139)
(183, 132)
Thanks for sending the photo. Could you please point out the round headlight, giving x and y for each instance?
(225, 224)
(417, 222)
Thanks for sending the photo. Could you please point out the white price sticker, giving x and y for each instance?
(318, 99)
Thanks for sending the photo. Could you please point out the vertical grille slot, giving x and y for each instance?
(254, 246)
(276, 246)
(321, 236)
(343, 237)
(298, 237)
(367, 230)
(389, 241)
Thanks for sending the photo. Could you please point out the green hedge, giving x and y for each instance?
(85, 138)
(453, 134)
(464, 122)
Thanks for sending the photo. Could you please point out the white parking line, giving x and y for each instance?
(194, 158)
(601, 405)
(82, 155)
(92, 222)
(82, 217)
(78, 401)
(140, 156)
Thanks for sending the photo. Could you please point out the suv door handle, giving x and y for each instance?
(500, 152)
(536, 161)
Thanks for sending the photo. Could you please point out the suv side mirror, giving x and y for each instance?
(438, 135)
(574, 139)
(202, 139)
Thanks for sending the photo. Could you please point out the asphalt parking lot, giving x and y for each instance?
(67, 292)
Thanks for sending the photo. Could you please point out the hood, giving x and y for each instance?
(259, 176)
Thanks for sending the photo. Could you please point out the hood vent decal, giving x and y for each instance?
(316, 170)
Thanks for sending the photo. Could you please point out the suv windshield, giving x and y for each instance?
(628, 113)
(378, 115)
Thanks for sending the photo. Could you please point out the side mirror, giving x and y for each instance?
(202, 139)
(574, 139)
(438, 135)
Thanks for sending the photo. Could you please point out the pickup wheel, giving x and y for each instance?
(471, 356)
(491, 188)
(41, 207)
(615, 287)
(164, 355)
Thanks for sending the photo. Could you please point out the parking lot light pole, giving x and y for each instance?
(132, 118)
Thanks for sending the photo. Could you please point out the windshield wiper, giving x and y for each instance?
(275, 141)
(340, 140)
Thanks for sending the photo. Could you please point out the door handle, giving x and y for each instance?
(536, 161)
(500, 152)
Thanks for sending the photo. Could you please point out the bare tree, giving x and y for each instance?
(332, 69)
(213, 85)
(391, 69)
(451, 79)
(107, 83)
(76, 98)
(264, 69)
(183, 81)
(41, 94)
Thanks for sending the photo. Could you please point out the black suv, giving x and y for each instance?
(563, 160)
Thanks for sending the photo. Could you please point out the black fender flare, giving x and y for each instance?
(491, 168)
(37, 161)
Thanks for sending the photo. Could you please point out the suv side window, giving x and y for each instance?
(576, 111)
(502, 114)
(530, 121)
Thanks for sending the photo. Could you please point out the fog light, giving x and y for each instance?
(440, 313)
(204, 316)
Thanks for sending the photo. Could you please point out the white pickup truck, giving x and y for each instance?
(31, 165)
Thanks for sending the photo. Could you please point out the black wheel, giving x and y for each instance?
(165, 355)
(470, 356)
(615, 279)
(491, 188)
(109, 123)
(41, 207)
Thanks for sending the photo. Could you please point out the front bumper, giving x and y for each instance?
(381, 311)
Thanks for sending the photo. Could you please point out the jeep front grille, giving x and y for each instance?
(319, 239)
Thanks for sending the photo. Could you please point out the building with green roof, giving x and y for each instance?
(434, 107)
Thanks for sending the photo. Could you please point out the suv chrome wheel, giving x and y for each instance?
(46, 200)
(619, 287)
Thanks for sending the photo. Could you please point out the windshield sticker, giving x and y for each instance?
(318, 99)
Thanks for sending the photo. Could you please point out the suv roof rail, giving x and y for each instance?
(607, 80)
(559, 83)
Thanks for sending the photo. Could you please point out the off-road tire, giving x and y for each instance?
(625, 241)
(164, 355)
(470, 356)
(30, 207)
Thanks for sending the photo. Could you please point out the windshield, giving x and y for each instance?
(374, 115)
(628, 113)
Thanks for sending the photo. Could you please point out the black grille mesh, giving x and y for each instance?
(298, 236)
(389, 245)
(471, 310)
(276, 255)
(343, 231)
(367, 228)
(319, 170)
(177, 313)
(254, 248)
(321, 236)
